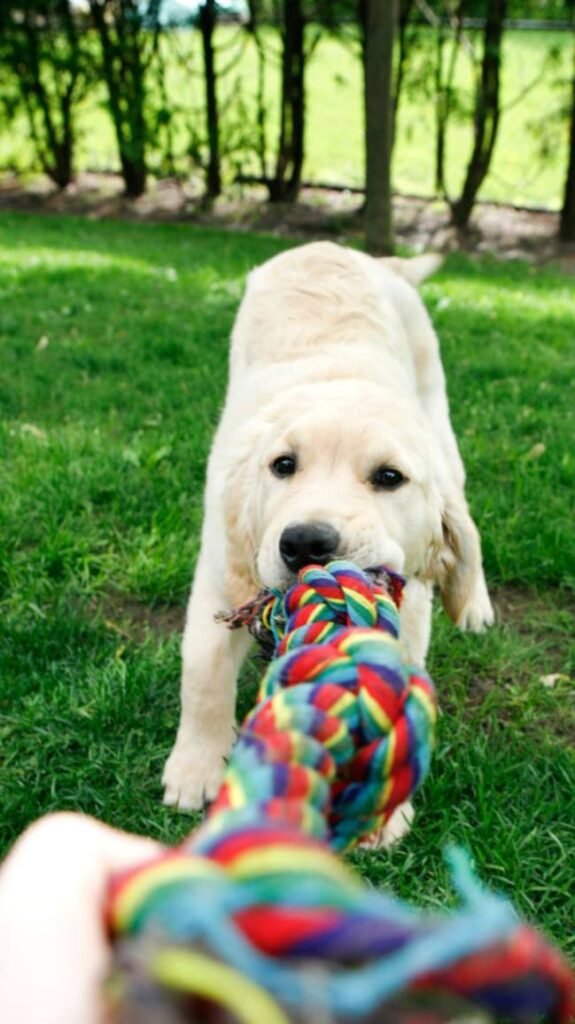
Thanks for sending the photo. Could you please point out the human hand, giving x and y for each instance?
(54, 951)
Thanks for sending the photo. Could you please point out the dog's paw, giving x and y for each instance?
(193, 773)
(396, 828)
(478, 613)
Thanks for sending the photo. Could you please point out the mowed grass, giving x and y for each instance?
(113, 342)
(530, 159)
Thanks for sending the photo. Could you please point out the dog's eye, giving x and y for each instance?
(285, 465)
(386, 478)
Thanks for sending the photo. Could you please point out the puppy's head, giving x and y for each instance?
(344, 470)
(332, 470)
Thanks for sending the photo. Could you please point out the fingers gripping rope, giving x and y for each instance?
(254, 913)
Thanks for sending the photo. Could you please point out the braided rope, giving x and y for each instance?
(342, 726)
(340, 735)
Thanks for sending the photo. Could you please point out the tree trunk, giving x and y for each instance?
(567, 221)
(380, 25)
(253, 27)
(440, 118)
(486, 118)
(285, 185)
(405, 11)
(444, 93)
(134, 173)
(47, 88)
(62, 171)
(207, 19)
(123, 69)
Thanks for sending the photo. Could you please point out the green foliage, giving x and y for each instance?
(113, 339)
(525, 10)
(41, 44)
(127, 42)
(528, 165)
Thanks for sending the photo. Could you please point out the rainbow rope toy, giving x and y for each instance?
(254, 919)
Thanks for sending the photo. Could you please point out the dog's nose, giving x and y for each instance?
(305, 543)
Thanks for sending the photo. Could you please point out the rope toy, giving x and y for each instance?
(254, 919)
(342, 726)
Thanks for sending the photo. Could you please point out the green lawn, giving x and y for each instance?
(113, 342)
(534, 91)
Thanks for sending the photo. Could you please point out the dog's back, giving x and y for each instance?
(314, 298)
(321, 312)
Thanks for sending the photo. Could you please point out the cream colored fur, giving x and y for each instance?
(334, 360)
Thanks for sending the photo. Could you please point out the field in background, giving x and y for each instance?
(334, 145)
(113, 342)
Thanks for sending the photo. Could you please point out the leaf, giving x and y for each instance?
(536, 451)
(551, 680)
(31, 430)
(131, 457)
(158, 456)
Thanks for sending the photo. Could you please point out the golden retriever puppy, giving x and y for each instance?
(335, 441)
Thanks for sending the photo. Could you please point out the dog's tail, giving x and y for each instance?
(416, 269)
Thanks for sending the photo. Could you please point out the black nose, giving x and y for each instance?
(308, 542)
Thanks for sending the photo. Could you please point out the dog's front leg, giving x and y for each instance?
(212, 656)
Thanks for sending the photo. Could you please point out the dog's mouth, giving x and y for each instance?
(253, 614)
(379, 574)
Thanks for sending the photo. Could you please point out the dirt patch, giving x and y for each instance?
(134, 620)
(527, 608)
(504, 231)
(524, 607)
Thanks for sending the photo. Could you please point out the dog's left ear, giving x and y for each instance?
(457, 566)
(239, 484)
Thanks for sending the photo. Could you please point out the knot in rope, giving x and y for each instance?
(327, 598)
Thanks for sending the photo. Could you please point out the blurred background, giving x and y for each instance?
(253, 103)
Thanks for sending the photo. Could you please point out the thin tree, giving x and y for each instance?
(297, 45)
(207, 17)
(379, 34)
(444, 88)
(486, 116)
(406, 8)
(128, 35)
(567, 219)
(285, 183)
(41, 46)
(253, 27)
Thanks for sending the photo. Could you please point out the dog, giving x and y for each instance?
(335, 442)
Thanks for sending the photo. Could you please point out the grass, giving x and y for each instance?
(534, 92)
(113, 341)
